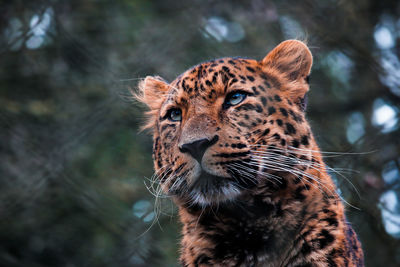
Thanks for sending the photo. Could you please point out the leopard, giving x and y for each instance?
(233, 149)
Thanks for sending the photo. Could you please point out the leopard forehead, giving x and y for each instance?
(207, 81)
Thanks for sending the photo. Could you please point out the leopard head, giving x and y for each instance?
(229, 125)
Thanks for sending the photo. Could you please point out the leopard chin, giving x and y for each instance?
(210, 189)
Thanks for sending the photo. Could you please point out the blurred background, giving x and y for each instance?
(74, 166)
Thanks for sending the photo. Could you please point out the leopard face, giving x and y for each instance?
(227, 127)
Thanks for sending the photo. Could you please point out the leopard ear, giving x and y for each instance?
(151, 92)
(292, 58)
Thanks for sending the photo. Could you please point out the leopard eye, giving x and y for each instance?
(234, 99)
(175, 114)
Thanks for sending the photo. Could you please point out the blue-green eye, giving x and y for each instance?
(234, 98)
(175, 114)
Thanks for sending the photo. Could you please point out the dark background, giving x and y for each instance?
(73, 165)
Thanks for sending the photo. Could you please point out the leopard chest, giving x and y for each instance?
(239, 235)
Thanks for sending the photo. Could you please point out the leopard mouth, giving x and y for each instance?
(209, 189)
(206, 182)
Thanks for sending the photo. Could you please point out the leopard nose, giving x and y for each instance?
(197, 148)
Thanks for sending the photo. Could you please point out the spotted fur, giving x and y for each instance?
(248, 177)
